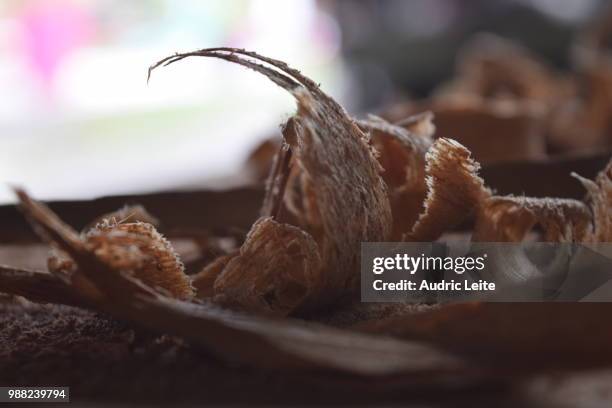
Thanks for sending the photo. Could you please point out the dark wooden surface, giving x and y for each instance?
(183, 210)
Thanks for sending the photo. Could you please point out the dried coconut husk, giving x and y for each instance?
(343, 183)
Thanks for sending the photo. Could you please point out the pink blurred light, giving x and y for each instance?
(51, 32)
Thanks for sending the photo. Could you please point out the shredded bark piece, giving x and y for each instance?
(343, 177)
(455, 190)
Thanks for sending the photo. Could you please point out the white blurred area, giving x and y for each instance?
(78, 120)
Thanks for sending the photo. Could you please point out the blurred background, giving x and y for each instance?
(78, 119)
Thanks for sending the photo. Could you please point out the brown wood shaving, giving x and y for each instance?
(454, 190)
(344, 182)
(401, 152)
(134, 248)
(510, 219)
(277, 270)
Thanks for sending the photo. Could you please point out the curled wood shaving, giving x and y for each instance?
(401, 153)
(134, 248)
(343, 177)
(560, 220)
(139, 248)
(400, 149)
(510, 219)
(283, 267)
(455, 190)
